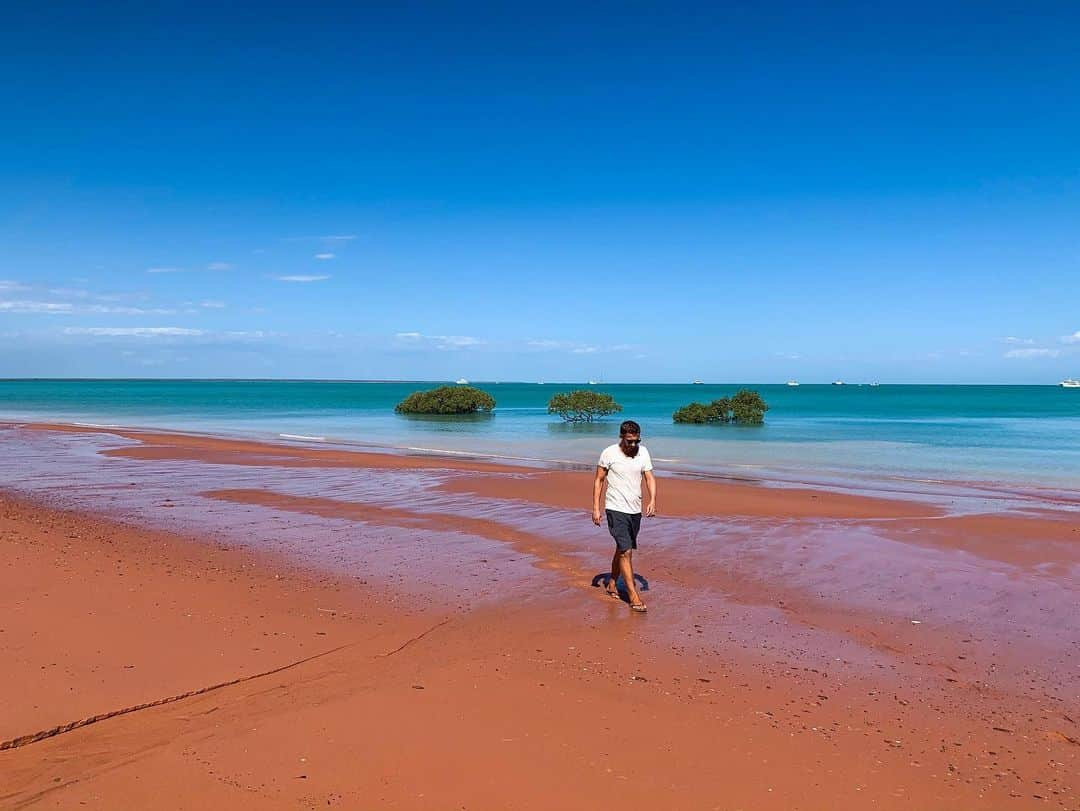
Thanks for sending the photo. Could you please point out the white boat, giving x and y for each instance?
(592, 382)
(838, 382)
(1069, 383)
(875, 384)
(793, 382)
(699, 383)
(461, 381)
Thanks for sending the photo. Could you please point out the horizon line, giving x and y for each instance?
(875, 384)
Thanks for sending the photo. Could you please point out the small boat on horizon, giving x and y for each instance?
(461, 381)
(838, 383)
(793, 382)
(698, 383)
(592, 382)
(1069, 383)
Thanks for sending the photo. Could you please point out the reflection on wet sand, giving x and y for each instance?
(970, 614)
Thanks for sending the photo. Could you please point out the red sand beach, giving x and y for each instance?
(325, 628)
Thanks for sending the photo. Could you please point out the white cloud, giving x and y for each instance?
(441, 342)
(457, 341)
(68, 308)
(168, 333)
(47, 307)
(301, 278)
(324, 256)
(136, 332)
(8, 284)
(324, 238)
(1012, 339)
(212, 305)
(1035, 352)
(79, 293)
(215, 266)
(549, 345)
(546, 343)
(107, 308)
(1071, 339)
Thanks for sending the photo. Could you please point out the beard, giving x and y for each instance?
(629, 450)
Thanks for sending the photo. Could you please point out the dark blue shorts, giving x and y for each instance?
(624, 529)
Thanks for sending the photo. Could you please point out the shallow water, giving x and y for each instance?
(1022, 434)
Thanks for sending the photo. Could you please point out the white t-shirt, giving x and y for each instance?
(624, 478)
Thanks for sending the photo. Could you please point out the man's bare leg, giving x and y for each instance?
(612, 587)
(627, 568)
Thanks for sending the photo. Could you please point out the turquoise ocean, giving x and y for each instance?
(1025, 435)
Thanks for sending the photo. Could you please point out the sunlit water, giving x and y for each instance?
(1026, 435)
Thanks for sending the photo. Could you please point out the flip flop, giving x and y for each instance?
(613, 594)
(641, 608)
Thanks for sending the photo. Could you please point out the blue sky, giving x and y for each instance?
(649, 192)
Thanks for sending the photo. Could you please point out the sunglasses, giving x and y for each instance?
(632, 441)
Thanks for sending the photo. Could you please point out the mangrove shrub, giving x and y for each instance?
(583, 405)
(447, 400)
(745, 408)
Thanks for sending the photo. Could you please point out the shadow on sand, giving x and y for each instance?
(604, 578)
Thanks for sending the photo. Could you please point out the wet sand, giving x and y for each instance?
(803, 649)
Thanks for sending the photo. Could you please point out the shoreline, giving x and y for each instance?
(919, 437)
(803, 649)
(1012, 495)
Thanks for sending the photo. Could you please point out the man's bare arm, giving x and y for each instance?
(597, 491)
(650, 482)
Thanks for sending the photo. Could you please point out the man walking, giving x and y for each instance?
(621, 468)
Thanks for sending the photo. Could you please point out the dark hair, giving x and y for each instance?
(629, 427)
